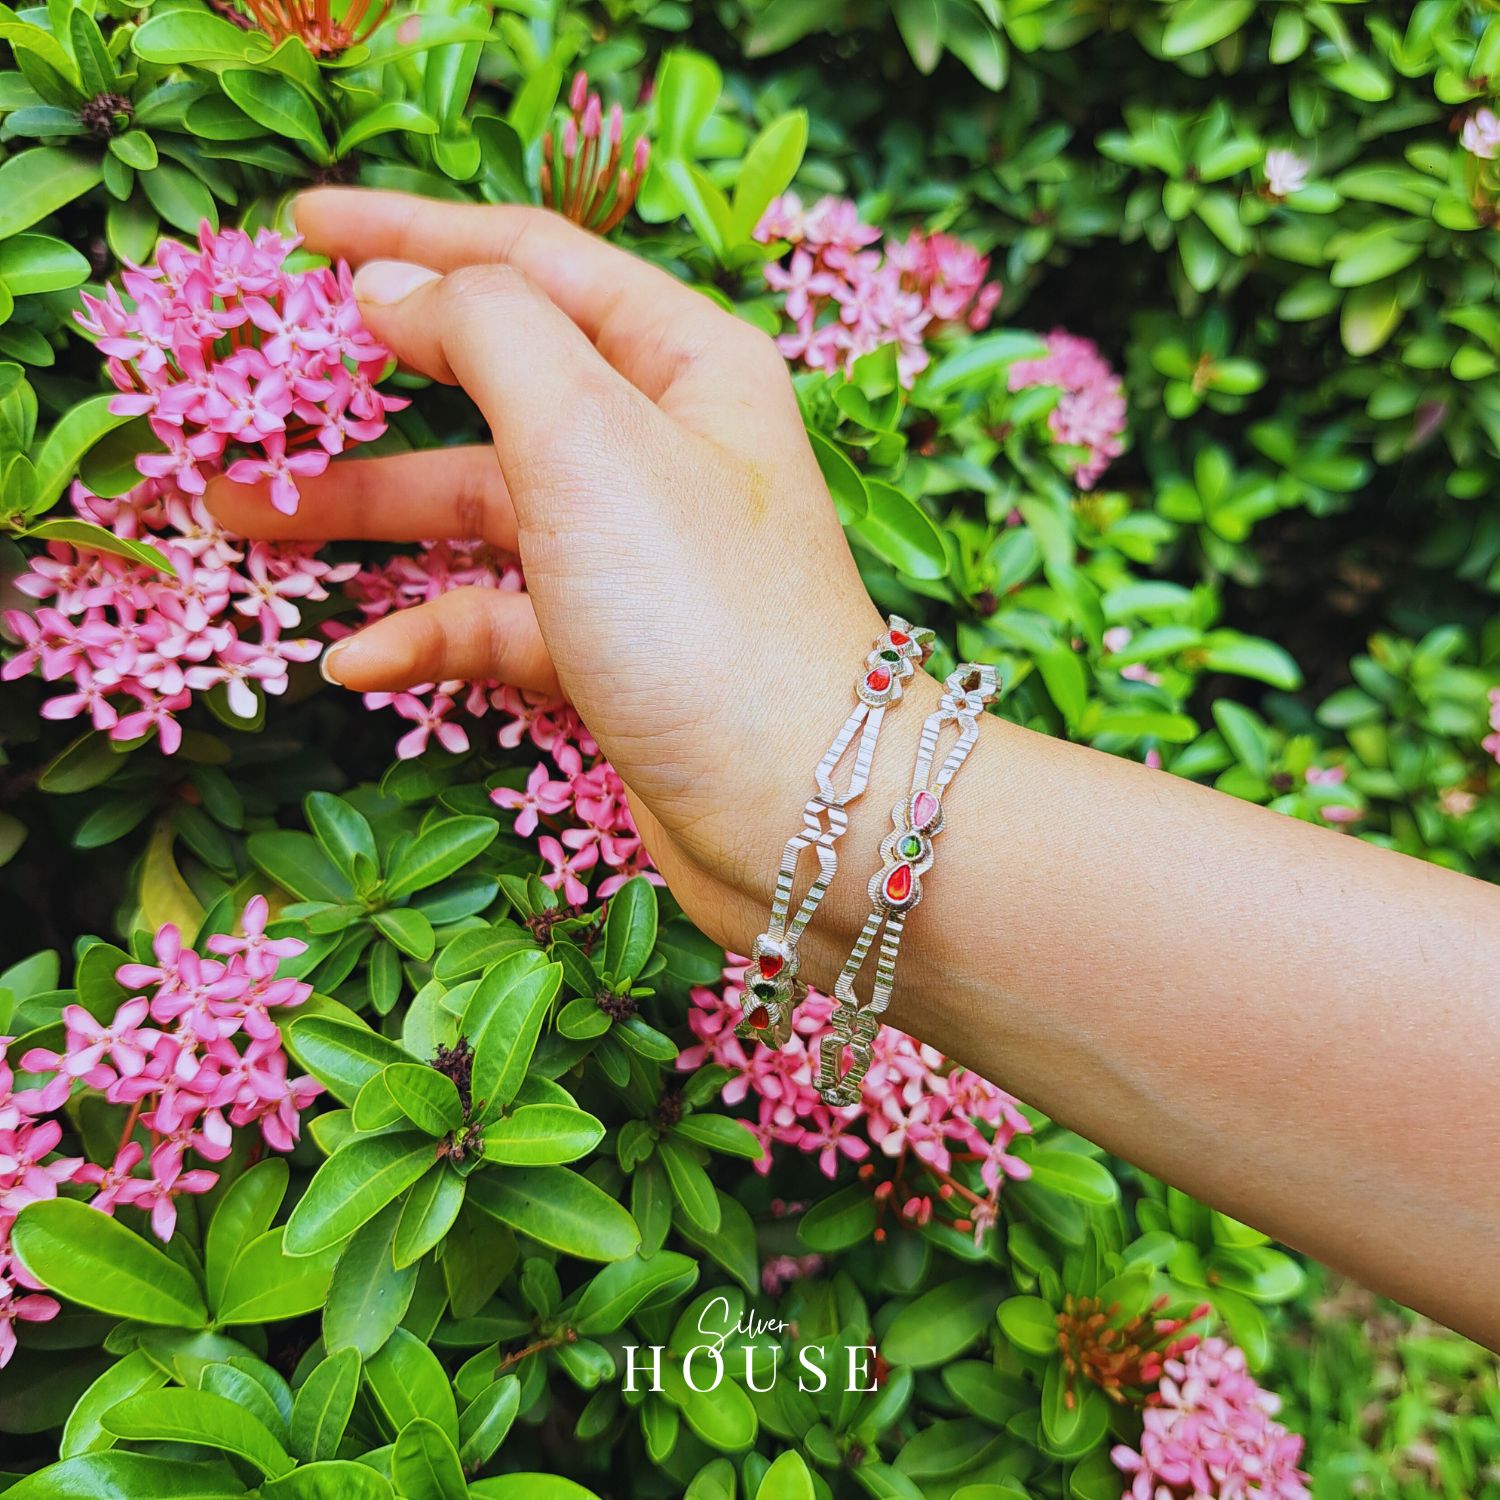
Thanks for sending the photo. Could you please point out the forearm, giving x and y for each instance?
(1298, 1027)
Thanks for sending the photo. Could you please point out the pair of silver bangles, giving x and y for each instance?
(772, 989)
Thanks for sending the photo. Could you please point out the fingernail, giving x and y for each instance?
(382, 282)
(325, 662)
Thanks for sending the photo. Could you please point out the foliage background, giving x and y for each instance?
(1302, 541)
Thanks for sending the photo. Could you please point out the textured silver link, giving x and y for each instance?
(772, 989)
(896, 887)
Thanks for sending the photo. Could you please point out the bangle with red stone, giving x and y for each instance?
(896, 887)
(771, 988)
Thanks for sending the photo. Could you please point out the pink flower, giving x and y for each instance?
(845, 300)
(184, 1078)
(1480, 135)
(542, 797)
(1209, 1433)
(295, 383)
(1090, 413)
(1286, 172)
(939, 1123)
(581, 854)
(136, 643)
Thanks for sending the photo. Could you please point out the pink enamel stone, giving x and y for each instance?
(924, 808)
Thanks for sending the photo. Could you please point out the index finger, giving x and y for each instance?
(646, 323)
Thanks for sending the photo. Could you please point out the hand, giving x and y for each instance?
(689, 588)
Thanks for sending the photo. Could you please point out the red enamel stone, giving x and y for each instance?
(900, 638)
(770, 964)
(878, 680)
(898, 883)
(923, 808)
(760, 1018)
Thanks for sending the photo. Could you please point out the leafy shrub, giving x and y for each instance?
(1149, 352)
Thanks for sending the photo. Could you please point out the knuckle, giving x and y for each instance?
(471, 289)
(471, 509)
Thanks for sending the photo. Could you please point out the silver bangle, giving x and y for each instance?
(772, 989)
(896, 887)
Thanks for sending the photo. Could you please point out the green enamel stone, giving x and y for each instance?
(765, 991)
(890, 656)
(910, 847)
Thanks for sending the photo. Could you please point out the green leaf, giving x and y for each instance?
(720, 1133)
(38, 182)
(691, 1186)
(297, 863)
(408, 930)
(1074, 1176)
(278, 104)
(504, 1019)
(920, 23)
(839, 1221)
(267, 1285)
(323, 1405)
(901, 532)
(201, 1418)
(1029, 1324)
(1196, 25)
(136, 149)
(38, 263)
(91, 1259)
(1369, 316)
(1373, 254)
(369, 1294)
(687, 88)
(353, 1185)
(407, 1382)
(786, 1479)
(529, 1487)
(428, 1213)
(84, 1431)
(332, 1479)
(629, 929)
(1072, 1430)
(424, 1464)
(427, 1098)
(439, 851)
(340, 1055)
(180, 197)
(1250, 656)
(620, 1289)
(942, 1323)
(88, 536)
(768, 169)
(196, 36)
(394, 114)
(557, 1207)
(843, 480)
(71, 437)
(542, 1135)
(486, 1421)
(344, 833)
(126, 1476)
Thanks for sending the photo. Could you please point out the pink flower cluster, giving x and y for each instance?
(1491, 741)
(242, 366)
(846, 299)
(917, 1108)
(1090, 414)
(172, 1060)
(1209, 1435)
(573, 803)
(134, 643)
